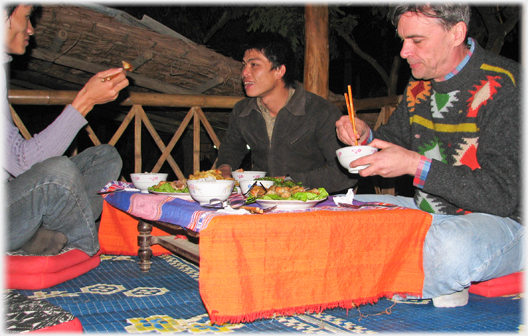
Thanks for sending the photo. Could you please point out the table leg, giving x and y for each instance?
(144, 243)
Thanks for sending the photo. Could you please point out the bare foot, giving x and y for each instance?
(45, 242)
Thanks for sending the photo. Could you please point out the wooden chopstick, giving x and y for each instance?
(351, 113)
(126, 67)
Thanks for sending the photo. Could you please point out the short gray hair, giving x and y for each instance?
(447, 14)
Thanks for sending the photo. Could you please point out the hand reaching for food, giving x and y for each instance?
(97, 92)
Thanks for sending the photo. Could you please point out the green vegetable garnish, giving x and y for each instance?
(279, 182)
(300, 196)
(166, 187)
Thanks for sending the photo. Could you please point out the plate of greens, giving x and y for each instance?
(296, 200)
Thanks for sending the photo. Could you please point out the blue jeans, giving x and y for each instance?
(60, 194)
(462, 249)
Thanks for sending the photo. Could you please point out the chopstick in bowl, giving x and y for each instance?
(351, 114)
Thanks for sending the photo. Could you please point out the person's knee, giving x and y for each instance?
(57, 168)
(111, 155)
(446, 248)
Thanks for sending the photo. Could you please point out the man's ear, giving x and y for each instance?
(459, 30)
(280, 71)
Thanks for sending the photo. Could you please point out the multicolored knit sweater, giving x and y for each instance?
(468, 127)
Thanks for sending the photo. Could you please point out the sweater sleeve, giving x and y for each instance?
(21, 154)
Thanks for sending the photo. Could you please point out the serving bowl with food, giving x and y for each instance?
(182, 188)
(203, 191)
(206, 185)
(143, 181)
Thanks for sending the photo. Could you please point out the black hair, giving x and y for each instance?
(278, 51)
(10, 9)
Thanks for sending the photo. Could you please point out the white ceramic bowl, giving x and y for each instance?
(247, 175)
(246, 184)
(204, 191)
(143, 181)
(348, 154)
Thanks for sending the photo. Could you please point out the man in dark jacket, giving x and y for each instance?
(289, 131)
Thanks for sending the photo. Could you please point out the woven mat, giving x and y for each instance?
(116, 297)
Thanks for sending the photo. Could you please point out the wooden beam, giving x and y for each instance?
(317, 59)
(139, 80)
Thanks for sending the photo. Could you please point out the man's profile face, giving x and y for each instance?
(257, 76)
(427, 46)
(18, 29)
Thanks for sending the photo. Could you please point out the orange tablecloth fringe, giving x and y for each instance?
(259, 266)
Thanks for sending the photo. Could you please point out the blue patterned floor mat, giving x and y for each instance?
(117, 298)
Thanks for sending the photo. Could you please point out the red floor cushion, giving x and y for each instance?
(506, 285)
(37, 272)
(74, 327)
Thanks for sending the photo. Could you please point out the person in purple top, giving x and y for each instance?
(51, 200)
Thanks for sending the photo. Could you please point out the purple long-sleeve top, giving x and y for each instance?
(20, 154)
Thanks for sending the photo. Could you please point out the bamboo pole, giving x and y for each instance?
(196, 141)
(18, 122)
(92, 135)
(137, 140)
(198, 112)
(157, 140)
(122, 127)
(173, 142)
(50, 97)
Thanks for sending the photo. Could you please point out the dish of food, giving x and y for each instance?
(286, 195)
(289, 204)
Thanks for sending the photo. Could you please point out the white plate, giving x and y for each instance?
(289, 205)
(185, 196)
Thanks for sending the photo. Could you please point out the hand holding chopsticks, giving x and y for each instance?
(351, 112)
(126, 67)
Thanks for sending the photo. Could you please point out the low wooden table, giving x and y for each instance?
(181, 247)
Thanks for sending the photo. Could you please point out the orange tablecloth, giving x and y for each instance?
(118, 233)
(286, 263)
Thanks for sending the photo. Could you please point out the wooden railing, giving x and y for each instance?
(195, 103)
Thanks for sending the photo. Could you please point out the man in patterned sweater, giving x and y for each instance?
(457, 131)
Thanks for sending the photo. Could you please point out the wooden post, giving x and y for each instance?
(317, 56)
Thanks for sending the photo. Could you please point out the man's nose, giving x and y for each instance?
(406, 50)
(30, 29)
(244, 71)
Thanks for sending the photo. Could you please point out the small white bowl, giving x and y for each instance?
(247, 175)
(143, 181)
(204, 191)
(246, 184)
(348, 154)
